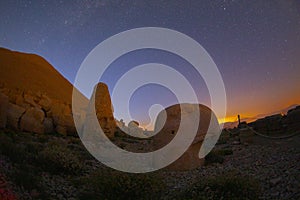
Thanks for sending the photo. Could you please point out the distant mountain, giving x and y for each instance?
(31, 72)
(282, 111)
(259, 116)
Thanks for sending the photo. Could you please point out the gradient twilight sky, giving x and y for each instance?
(255, 44)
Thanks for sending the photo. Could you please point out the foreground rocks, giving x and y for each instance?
(273, 163)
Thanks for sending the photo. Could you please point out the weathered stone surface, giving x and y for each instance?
(14, 114)
(48, 125)
(3, 110)
(135, 130)
(103, 109)
(33, 121)
(30, 100)
(45, 102)
(190, 159)
(62, 118)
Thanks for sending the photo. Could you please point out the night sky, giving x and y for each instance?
(255, 44)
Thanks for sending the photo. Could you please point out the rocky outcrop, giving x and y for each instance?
(268, 124)
(103, 109)
(278, 123)
(62, 118)
(33, 86)
(190, 159)
(36, 113)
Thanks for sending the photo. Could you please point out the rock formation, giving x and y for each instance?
(29, 72)
(190, 158)
(34, 97)
(103, 109)
(278, 123)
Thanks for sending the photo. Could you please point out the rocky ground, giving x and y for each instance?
(273, 164)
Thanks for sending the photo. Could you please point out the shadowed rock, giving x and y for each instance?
(14, 114)
(32, 121)
(172, 117)
(3, 110)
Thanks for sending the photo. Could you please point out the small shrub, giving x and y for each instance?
(217, 156)
(15, 152)
(59, 159)
(228, 186)
(225, 152)
(214, 157)
(26, 176)
(110, 184)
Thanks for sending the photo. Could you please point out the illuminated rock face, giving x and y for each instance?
(104, 110)
(167, 131)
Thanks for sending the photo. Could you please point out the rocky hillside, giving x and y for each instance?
(31, 72)
(34, 97)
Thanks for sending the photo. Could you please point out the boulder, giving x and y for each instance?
(48, 125)
(14, 114)
(62, 118)
(3, 110)
(167, 125)
(33, 121)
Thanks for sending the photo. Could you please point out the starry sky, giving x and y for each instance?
(255, 44)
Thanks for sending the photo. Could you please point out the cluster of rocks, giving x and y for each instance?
(279, 123)
(133, 129)
(37, 113)
(34, 112)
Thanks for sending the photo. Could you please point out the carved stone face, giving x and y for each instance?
(103, 108)
(108, 125)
